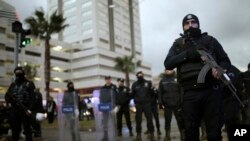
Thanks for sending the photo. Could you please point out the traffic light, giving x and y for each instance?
(24, 40)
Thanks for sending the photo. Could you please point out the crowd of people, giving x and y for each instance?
(209, 104)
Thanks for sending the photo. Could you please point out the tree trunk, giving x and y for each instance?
(47, 67)
(127, 79)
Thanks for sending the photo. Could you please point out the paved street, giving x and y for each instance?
(53, 134)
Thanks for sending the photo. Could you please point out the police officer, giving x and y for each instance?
(154, 110)
(108, 98)
(201, 100)
(170, 98)
(71, 98)
(141, 92)
(21, 97)
(123, 99)
(246, 90)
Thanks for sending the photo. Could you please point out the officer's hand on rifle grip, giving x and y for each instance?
(216, 73)
(192, 54)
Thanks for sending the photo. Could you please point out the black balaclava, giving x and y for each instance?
(194, 32)
(19, 76)
(70, 86)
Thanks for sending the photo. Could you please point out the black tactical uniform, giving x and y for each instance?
(122, 100)
(21, 91)
(199, 100)
(170, 98)
(231, 105)
(154, 110)
(246, 90)
(141, 92)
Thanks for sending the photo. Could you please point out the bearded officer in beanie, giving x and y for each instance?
(21, 96)
(200, 100)
(141, 92)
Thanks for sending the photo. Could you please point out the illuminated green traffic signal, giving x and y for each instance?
(25, 41)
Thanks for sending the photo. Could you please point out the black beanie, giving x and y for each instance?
(18, 68)
(190, 16)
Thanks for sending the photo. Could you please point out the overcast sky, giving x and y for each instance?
(161, 22)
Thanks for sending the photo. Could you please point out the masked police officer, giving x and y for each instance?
(141, 92)
(123, 99)
(170, 98)
(21, 96)
(200, 100)
(71, 98)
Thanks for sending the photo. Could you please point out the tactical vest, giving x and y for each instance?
(21, 92)
(187, 73)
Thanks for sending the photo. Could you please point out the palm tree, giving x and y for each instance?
(44, 28)
(126, 65)
(30, 71)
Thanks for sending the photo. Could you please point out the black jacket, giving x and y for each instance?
(169, 92)
(122, 95)
(23, 92)
(177, 57)
(141, 91)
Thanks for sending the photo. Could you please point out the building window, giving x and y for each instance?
(69, 2)
(2, 30)
(87, 4)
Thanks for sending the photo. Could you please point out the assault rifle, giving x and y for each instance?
(209, 64)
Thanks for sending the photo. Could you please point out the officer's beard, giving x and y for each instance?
(193, 32)
(19, 78)
(140, 79)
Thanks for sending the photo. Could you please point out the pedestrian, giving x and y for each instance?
(38, 108)
(21, 96)
(170, 98)
(122, 100)
(71, 98)
(200, 100)
(141, 92)
(154, 110)
(51, 110)
(90, 109)
(246, 90)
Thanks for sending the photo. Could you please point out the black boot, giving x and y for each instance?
(119, 133)
(131, 133)
(167, 136)
(138, 137)
(158, 132)
(151, 137)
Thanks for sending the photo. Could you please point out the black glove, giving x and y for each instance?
(193, 55)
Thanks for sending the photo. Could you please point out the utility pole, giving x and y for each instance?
(16, 28)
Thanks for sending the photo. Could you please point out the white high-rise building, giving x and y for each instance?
(105, 30)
